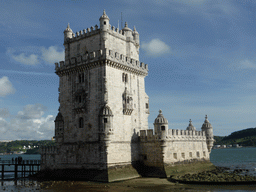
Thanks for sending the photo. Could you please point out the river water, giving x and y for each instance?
(244, 158)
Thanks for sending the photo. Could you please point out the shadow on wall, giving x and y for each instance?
(138, 160)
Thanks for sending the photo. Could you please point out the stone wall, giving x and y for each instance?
(177, 146)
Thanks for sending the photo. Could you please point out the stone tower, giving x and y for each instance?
(207, 127)
(103, 104)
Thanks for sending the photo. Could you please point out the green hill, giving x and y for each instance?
(28, 146)
(245, 137)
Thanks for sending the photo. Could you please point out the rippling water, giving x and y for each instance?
(243, 158)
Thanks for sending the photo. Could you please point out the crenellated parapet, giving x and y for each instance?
(49, 150)
(173, 135)
(83, 34)
(95, 58)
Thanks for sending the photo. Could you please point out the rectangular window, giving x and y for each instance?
(190, 154)
(204, 153)
(105, 120)
(146, 105)
(175, 155)
(162, 128)
(183, 155)
(197, 154)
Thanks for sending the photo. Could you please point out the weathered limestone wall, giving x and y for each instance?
(73, 156)
(178, 146)
(93, 88)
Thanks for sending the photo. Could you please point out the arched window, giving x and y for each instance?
(81, 122)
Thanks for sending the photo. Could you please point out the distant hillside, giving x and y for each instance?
(26, 146)
(245, 137)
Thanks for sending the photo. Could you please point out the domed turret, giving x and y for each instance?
(104, 21)
(127, 31)
(136, 36)
(68, 33)
(190, 126)
(207, 127)
(161, 125)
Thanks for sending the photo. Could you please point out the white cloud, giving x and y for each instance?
(35, 55)
(6, 87)
(156, 47)
(32, 59)
(52, 55)
(28, 124)
(32, 111)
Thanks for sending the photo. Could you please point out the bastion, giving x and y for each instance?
(101, 129)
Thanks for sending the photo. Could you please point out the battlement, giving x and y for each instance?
(49, 150)
(173, 134)
(96, 30)
(100, 55)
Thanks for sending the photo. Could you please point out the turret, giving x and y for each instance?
(104, 27)
(68, 33)
(161, 125)
(136, 36)
(127, 31)
(104, 22)
(190, 126)
(207, 127)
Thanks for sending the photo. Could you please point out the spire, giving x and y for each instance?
(104, 15)
(206, 119)
(190, 126)
(68, 29)
(160, 111)
(125, 24)
(134, 29)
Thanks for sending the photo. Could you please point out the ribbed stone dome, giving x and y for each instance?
(160, 118)
(106, 111)
(190, 126)
(104, 16)
(126, 28)
(68, 29)
(59, 117)
(206, 124)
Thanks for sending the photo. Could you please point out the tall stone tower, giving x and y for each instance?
(103, 104)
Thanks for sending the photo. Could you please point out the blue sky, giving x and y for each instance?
(200, 53)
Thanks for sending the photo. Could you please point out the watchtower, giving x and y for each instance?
(103, 104)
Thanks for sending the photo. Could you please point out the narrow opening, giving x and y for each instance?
(183, 155)
(79, 99)
(163, 128)
(105, 23)
(81, 122)
(105, 120)
(80, 78)
(190, 154)
(146, 105)
(175, 155)
(198, 154)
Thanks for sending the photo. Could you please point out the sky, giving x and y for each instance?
(200, 54)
